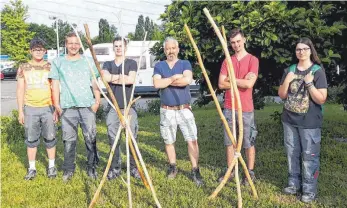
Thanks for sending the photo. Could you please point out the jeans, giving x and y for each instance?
(70, 119)
(303, 152)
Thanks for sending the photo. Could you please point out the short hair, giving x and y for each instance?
(167, 39)
(119, 38)
(37, 43)
(235, 32)
(69, 35)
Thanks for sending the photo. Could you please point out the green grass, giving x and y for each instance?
(271, 168)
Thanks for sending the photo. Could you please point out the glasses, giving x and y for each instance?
(38, 50)
(299, 50)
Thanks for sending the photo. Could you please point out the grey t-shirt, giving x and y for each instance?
(299, 108)
(117, 89)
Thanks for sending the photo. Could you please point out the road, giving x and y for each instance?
(9, 103)
(8, 96)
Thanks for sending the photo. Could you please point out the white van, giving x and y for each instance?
(144, 83)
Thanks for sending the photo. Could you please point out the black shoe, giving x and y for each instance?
(245, 180)
(196, 176)
(231, 177)
(52, 172)
(172, 171)
(67, 175)
(291, 190)
(30, 175)
(308, 197)
(135, 173)
(91, 172)
(113, 174)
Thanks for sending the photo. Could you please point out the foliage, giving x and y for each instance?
(45, 33)
(11, 127)
(271, 168)
(334, 92)
(106, 32)
(142, 26)
(342, 98)
(15, 36)
(153, 106)
(271, 29)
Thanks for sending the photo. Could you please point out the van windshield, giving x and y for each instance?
(137, 59)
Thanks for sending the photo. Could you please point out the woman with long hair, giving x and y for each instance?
(304, 89)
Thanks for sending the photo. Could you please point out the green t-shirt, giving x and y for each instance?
(75, 81)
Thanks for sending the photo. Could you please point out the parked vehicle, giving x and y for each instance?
(9, 73)
(144, 83)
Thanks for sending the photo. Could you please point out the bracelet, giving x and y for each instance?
(310, 86)
(308, 83)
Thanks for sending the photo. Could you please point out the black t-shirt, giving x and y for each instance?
(299, 109)
(117, 89)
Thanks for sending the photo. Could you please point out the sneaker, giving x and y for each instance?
(30, 175)
(67, 175)
(113, 174)
(196, 176)
(91, 172)
(135, 173)
(172, 171)
(221, 177)
(245, 180)
(308, 197)
(291, 190)
(52, 172)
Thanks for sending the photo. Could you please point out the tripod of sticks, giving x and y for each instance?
(234, 91)
(124, 124)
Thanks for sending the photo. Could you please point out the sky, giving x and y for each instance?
(91, 11)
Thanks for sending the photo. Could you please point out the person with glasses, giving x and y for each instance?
(76, 98)
(112, 72)
(303, 88)
(35, 110)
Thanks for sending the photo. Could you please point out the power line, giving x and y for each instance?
(131, 10)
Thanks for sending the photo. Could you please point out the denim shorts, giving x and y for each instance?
(38, 121)
(249, 129)
(184, 119)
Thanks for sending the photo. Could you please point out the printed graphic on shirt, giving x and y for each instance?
(298, 100)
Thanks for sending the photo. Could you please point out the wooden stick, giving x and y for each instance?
(128, 165)
(237, 178)
(245, 169)
(97, 193)
(213, 94)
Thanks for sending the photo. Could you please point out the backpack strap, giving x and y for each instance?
(292, 68)
(315, 68)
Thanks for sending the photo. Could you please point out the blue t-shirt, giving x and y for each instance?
(172, 95)
(75, 81)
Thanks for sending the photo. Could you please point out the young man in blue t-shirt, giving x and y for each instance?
(173, 77)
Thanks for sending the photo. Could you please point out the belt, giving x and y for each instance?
(176, 107)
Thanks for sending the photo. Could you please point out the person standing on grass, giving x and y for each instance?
(35, 110)
(76, 98)
(246, 68)
(112, 71)
(304, 90)
(173, 77)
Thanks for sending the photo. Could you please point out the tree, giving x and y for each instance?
(44, 32)
(15, 36)
(271, 29)
(139, 30)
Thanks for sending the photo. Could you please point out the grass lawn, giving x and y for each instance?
(271, 167)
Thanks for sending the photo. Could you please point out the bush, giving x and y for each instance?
(334, 92)
(342, 98)
(153, 106)
(11, 130)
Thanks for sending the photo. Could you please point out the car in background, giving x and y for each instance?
(8, 73)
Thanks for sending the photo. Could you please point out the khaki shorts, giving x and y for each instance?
(184, 119)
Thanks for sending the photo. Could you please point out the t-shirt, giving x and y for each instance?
(248, 63)
(299, 109)
(75, 81)
(172, 95)
(38, 92)
(117, 89)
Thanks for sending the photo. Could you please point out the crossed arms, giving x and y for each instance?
(177, 80)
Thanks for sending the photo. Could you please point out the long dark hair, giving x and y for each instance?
(314, 56)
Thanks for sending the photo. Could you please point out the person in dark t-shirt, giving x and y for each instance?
(112, 71)
(304, 90)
